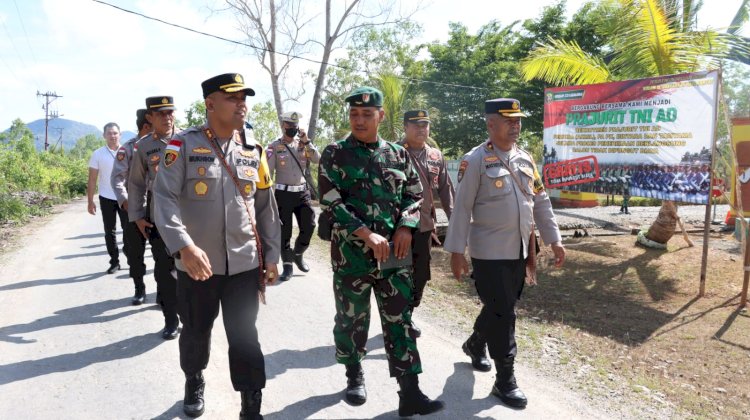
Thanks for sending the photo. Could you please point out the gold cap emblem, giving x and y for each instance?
(514, 105)
(164, 101)
(238, 78)
(421, 113)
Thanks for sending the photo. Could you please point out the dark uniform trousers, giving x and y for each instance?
(198, 304)
(135, 248)
(166, 285)
(110, 211)
(421, 242)
(299, 205)
(499, 285)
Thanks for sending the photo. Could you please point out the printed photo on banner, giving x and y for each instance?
(652, 137)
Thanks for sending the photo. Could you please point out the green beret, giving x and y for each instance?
(160, 103)
(417, 115)
(507, 107)
(227, 82)
(365, 96)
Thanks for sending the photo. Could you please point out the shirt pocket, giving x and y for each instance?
(498, 181)
(202, 181)
(248, 179)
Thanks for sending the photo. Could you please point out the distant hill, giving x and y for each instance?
(68, 131)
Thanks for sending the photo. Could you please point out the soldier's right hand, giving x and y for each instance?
(459, 265)
(377, 243)
(92, 208)
(142, 225)
(196, 262)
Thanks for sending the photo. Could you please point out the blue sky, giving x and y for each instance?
(104, 62)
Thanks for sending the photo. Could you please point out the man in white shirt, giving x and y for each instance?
(100, 171)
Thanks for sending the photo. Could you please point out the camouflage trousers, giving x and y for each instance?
(393, 292)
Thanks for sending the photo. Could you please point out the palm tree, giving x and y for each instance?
(646, 38)
(395, 93)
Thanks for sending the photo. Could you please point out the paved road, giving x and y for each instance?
(72, 347)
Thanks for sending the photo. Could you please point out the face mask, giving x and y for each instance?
(291, 132)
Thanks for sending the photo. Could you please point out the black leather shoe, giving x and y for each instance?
(301, 264)
(512, 397)
(192, 404)
(169, 333)
(112, 268)
(287, 273)
(251, 401)
(412, 401)
(475, 348)
(139, 297)
(505, 386)
(356, 394)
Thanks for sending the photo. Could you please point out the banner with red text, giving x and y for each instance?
(648, 137)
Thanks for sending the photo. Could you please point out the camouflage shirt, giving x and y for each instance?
(371, 185)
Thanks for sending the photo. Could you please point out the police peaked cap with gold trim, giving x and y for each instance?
(507, 107)
(291, 117)
(417, 115)
(365, 96)
(160, 103)
(227, 82)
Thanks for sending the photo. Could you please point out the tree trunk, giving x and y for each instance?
(315, 111)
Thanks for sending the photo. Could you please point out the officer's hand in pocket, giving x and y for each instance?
(196, 262)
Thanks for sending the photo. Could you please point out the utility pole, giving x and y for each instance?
(47, 114)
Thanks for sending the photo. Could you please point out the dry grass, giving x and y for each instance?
(626, 320)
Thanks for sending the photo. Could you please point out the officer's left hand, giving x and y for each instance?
(272, 273)
(402, 242)
(559, 252)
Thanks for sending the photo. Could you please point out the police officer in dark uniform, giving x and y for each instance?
(147, 153)
(136, 243)
(430, 165)
(499, 199)
(216, 210)
(290, 157)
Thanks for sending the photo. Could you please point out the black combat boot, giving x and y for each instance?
(251, 405)
(505, 386)
(287, 256)
(356, 393)
(476, 348)
(140, 292)
(412, 401)
(299, 261)
(192, 404)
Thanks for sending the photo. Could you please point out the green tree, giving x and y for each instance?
(196, 114)
(395, 91)
(265, 123)
(85, 146)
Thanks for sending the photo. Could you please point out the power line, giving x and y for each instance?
(20, 18)
(276, 52)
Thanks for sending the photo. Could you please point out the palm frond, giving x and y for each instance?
(740, 18)
(563, 63)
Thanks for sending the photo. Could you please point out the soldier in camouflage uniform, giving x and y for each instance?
(373, 195)
(136, 244)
